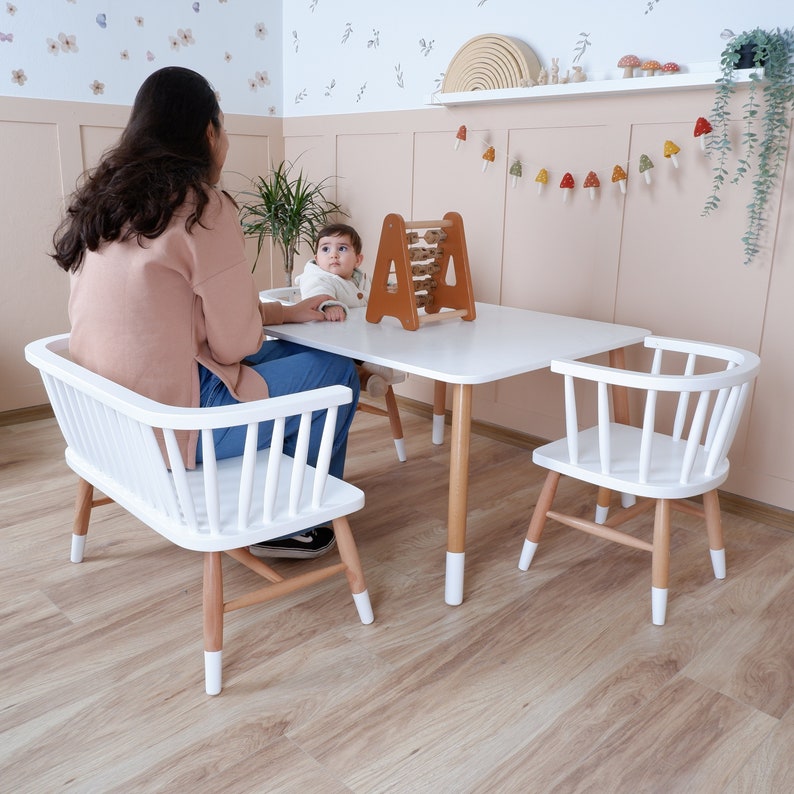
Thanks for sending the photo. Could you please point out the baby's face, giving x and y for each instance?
(336, 255)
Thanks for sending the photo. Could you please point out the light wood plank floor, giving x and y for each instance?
(548, 681)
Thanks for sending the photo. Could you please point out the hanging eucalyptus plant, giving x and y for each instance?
(766, 114)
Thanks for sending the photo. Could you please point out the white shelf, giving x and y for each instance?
(704, 79)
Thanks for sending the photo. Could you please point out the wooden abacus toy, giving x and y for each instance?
(427, 270)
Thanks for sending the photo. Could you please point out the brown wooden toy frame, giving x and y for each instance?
(421, 272)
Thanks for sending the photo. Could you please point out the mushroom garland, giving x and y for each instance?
(702, 128)
(670, 152)
(620, 176)
(645, 167)
(542, 179)
(515, 171)
(567, 184)
(591, 182)
(489, 155)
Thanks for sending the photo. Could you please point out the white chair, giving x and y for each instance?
(679, 452)
(114, 442)
(293, 295)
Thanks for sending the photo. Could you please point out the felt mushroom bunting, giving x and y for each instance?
(591, 182)
(670, 152)
(460, 136)
(489, 155)
(620, 176)
(542, 179)
(645, 167)
(567, 184)
(515, 171)
(702, 128)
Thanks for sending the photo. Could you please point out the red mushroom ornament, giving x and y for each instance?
(460, 135)
(702, 128)
(567, 184)
(591, 182)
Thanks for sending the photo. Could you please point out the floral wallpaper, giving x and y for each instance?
(102, 50)
(315, 57)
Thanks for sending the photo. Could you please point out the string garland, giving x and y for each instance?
(589, 179)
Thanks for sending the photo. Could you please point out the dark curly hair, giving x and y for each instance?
(162, 157)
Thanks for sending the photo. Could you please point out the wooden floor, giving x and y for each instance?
(552, 680)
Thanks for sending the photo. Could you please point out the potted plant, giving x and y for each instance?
(766, 123)
(288, 208)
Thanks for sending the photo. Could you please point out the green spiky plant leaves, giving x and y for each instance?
(289, 208)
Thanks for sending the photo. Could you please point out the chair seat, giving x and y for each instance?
(339, 498)
(624, 476)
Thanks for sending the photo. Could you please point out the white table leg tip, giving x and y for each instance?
(658, 605)
(453, 588)
(718, 562)
(78, 548)
(364, 607)
(212, 671)
(438, 428)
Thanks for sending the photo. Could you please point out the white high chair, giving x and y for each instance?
(679, 452)
(293, 295)
(114, 438)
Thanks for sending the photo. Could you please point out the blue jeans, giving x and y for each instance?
(287, 368)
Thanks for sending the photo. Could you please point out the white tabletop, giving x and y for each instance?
(500, 342)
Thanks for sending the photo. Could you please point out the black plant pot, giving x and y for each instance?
(747, 56)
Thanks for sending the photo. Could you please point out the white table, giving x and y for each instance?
(499, 343)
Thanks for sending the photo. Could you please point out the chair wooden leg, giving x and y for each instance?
(82, 516)
(213, 621)
(538, 520)
(396, 424)
(660, 565)
(711, 508)
(354, 571)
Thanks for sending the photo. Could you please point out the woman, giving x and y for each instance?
(162, 298)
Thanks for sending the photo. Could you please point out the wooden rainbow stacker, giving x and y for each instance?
(421, 264)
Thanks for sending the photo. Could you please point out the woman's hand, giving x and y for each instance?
(306, 310)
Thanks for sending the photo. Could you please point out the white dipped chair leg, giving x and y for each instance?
(212, 671)
(399, 444)
(658, 605)
(627, 500)
(364, 607)
(718, 562)
(601, 514)
(527, 553)
(78, 548)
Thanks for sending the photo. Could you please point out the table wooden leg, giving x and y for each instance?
(439, 410)
(458, 492)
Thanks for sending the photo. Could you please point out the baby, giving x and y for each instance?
(335, 271)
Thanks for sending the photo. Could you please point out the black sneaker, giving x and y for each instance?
(310, 544)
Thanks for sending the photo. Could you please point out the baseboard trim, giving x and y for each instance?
(740, 506)
(20, 415)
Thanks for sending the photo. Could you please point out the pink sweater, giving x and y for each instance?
(145, 316)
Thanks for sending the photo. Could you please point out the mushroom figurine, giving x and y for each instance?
(542, 179)
(567, 184)
(628, 63)
(670, 152)
(620, 176)
(670, 68)
(460, 135)
(591, 182)
(515, 171)
(645, 167)
(649, 67)
(489, 155)
(702, 128)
